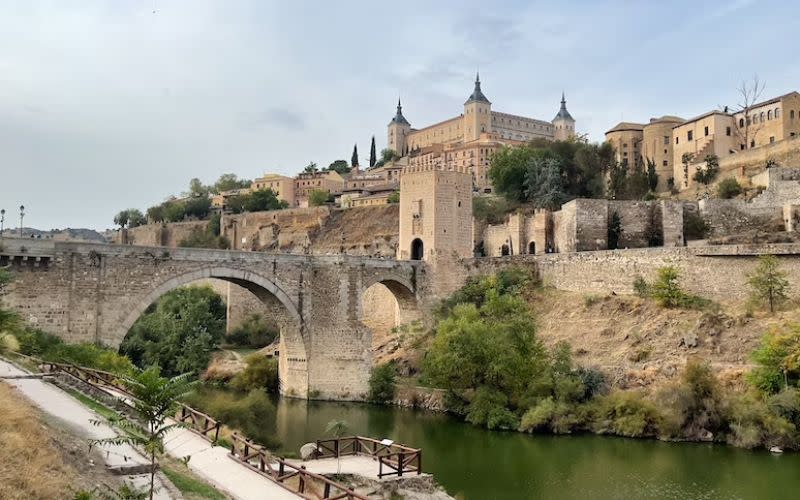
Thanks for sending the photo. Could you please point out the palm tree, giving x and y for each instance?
(154, 399)
(338, 428)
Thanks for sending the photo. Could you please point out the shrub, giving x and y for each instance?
(51, 348)
(554, 416)
(382, 383)
(34, 342)
(8, 343)
(728, 188)
(753, 424)
(254, 332)
(490, 409)
(697, 402)
(260, 373)
(668, 293)
(626, 413)
(768, 282)
(695, 226)
(590, 299)
(641, 288)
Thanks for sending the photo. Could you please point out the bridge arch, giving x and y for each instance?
(293, 348)
(387, 301)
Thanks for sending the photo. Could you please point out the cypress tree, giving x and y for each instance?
(354, 158)
(373, 158)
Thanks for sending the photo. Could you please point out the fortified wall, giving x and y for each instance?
(749, 163)
(159, 235)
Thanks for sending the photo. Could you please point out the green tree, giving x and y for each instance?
(544, 186)
(156, 213)
(686, 160)
(777, 359)
(652, 175)
(372, 156)
(339, 166)
(318, 197)
(382, 383)
(768, 282)
(636, 185)
(666, 289)
(197, 207)
(197, 188)
(354, 157)
(311, 168)
(339, 428)
(508, 169)
(394, 197)
(263, 199)
(614, 231)
(706, 175)
(174, 211)
(388, 155)
(179, 332)
(228, 182)
(154, 399)
(130, 218)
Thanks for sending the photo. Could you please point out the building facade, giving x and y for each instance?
(281, 185)
(469, 140)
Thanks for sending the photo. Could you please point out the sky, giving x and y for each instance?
(106, 105)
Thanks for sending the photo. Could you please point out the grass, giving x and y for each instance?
(32, 467)
(188, 485)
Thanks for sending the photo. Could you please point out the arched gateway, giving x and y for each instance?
(94, 293)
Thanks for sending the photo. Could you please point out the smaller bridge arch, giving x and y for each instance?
(376, 308)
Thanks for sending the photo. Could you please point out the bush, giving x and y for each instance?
(492, 209)
(626, 413)
(490, 409)
(728, 188)
(34, 342)
(753, 424)
(695, 226)
(553, 416)
(254, 332)
(8, 343)
(641, 288)
(668, 293)
(261, 373)
(697, 403)
(51, 348)
(511, 280)
(382, 383)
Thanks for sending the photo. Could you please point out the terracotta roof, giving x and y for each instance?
(626, 126)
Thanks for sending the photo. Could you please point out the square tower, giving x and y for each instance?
(435, 213)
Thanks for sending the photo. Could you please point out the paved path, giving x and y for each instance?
(209, 462)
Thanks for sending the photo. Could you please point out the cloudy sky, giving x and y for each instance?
(106, 105)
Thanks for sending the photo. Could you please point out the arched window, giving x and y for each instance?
(532, 247)
(777, 112)
(769, 115)
(791, 115)
(417, 249)
(504, 250)
(762, 117)
(741, 122)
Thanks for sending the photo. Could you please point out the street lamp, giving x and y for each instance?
(2, 220)
(21, 216)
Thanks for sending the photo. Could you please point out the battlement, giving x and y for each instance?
(431, 168)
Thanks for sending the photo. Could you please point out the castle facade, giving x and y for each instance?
(469, 140)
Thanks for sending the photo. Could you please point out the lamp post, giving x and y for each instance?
(2, 220)
(21, 216)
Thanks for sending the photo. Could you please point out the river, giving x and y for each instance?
(473, 464)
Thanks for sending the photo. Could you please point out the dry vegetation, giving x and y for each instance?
(32, 460)
(633, 340)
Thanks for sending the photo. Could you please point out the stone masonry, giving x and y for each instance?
(86, 292)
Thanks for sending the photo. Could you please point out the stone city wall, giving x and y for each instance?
(745, 164)
(159, 235)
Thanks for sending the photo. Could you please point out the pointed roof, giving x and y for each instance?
(563, 113)
(477, 95)
(399, 118)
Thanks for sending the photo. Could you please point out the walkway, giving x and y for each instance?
(209, 462)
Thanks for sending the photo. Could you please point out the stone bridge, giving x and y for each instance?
(86, 292)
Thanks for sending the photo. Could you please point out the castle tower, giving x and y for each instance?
(398, 130)
(563, 123)
(435, 214)
(477, 113)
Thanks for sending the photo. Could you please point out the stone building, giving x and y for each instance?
(281, 185)
(435, 213)
(306, 182)
(668, 140)
(468, 140)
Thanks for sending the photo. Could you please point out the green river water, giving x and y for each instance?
(472, 463)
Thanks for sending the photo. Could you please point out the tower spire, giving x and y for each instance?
(477, 94)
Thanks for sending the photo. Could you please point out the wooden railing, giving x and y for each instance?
(291, 477)
(396, 459)
(199, 422)
(194, 420)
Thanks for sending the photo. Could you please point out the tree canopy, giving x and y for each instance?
(339, 166)
(130, 217)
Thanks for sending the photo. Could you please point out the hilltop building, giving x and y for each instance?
(469, 140)
(666, 140)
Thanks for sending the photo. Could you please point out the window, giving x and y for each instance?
(741, 122)
(769, 115)
(791, 115)
(771, 139)
(761, 118)
(752, 143)
(665, 163)
(689, 135)
(625, 145)
(666, 140)
(705, 130)
(728, 131)
(777, 112)
(676, 140)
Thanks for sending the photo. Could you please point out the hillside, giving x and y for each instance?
(633, 340)
(67, 234)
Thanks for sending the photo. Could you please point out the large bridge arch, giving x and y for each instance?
(293, 345)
